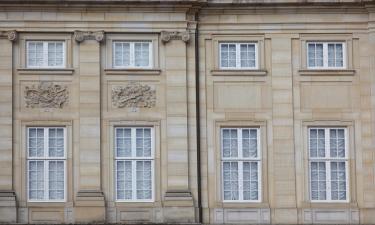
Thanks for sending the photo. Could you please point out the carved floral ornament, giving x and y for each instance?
(46, 95)
(133, 95)
(80, 36)
(166, 36)
(11, 35)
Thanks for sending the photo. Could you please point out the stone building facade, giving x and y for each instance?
(187, 111)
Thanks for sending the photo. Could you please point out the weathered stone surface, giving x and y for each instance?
(46, 95)
(134, 95)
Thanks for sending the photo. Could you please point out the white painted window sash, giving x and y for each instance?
(46, 160)
(238, 55)
(325, 55)
(132, 55)
(327, 160)
(133, 159)
(45, 54)
(240, 160)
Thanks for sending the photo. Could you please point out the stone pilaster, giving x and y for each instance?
(284, 198)
(178, 200)
(7, 194)
(89, 199)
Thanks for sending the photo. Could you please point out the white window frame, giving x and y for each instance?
(45, 55)
(240, 159)
(46, 161)
(134, 160)
(328, 161)
(238, 56)
(132, 55)
(325, 55)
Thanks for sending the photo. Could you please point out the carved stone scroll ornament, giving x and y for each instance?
(133, 95)
(11, 35)
(81, 36)
(166, 36)
(46, 95)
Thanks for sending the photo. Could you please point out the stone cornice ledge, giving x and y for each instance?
(62, 71)
(132, 71)
(317, 72)
(238, 72)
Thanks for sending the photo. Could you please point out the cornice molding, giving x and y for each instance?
(11, 35)
(167, 36)
(81, 36)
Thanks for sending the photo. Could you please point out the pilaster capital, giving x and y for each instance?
(81, 36)
(11, 35)
(167, 36)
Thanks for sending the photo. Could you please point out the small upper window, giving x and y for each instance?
(45, 54)
(132, 54)
(326, 55)
(238, 56)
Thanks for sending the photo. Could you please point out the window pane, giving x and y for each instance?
(338, 181)
(230, 143)
(143, 142)
(230, 179)
(318, 181)
(123, 142)
(36, 180)
(337, 143)
(144, 180)
(247, 55)
(35, 54)
(56, 142)
(249, 143)
(121, 54)
(36, 142)
(317, 143)
(141, 54)
(124, 180)
(55, 54)
(250, 181)
(56, 180)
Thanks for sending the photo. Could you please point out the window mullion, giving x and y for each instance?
(46, 179)
(133, 141)
(150, 52)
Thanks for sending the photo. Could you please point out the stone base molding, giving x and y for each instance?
(90, 207)
(8, 212)
(179, 207)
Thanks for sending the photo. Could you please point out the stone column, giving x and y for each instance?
(178, 200)
(283, 173)
(90, 205)
(7, 195)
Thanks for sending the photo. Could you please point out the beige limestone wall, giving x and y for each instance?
(282, 98)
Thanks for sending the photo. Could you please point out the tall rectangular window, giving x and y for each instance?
(328, 162)
(45, 54)
(238, 56)
(46, 163)
(134, 162)
(326, 55)
(132, 54)
(241, 164)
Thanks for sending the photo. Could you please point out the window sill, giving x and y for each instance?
(46, 204)
(132, 71)
(239, 72)
(326, 72)
(46, 71)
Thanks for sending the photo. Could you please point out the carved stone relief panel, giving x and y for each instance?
(46, 95)
(133, 95)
